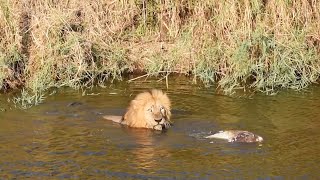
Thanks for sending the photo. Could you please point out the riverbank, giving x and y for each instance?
(263, 45)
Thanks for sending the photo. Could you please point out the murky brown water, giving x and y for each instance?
(66, 137)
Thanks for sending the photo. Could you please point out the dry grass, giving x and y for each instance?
(265, 45)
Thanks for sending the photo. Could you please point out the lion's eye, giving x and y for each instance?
(150, 109)
(162, 109)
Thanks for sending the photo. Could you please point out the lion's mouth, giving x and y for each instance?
(166, 125)
(163, 126)
(158, 120)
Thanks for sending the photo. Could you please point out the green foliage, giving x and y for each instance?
(263, 45)
(26, 99)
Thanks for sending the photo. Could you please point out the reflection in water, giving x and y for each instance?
(61, 139)
(146, 151)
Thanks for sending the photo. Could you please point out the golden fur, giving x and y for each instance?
(149, 109)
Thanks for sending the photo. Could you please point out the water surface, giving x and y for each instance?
(66, 138)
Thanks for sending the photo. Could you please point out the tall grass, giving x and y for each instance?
(10, 46)
(265, 45)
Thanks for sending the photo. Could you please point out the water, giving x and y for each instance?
(66, 138)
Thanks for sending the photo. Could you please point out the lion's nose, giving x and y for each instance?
(158, 120)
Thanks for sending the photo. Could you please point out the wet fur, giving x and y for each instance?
(137, 115)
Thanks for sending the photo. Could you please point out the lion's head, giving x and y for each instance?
(149, 110)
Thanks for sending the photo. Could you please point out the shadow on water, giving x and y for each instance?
(66, 137)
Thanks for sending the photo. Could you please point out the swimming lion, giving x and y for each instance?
(149, 109)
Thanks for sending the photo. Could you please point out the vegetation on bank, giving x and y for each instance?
(261, 44)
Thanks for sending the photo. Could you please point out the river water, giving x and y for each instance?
(66, 138)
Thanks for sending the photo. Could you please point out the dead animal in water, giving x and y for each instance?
(237, 136)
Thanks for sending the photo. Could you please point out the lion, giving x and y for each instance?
(149, 109)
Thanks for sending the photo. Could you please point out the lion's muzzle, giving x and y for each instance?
(158, 120)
